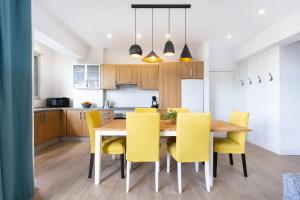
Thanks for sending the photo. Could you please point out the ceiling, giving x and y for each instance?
(207, 20)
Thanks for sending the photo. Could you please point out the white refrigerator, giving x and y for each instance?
(192, 95)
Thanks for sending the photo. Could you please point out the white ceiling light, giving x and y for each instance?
(168, 36)
(138, 36)
(109, 36)
(229, 36)
(261, 11)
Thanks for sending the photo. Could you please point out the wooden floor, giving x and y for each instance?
(62, 170)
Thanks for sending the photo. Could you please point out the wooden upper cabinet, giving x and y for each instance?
(148, 77)
(192, 70)
(127, 74)
(169, 85)
(108, 76)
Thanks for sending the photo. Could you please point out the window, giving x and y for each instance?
(36, 76)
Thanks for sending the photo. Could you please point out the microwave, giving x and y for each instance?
(58, 102)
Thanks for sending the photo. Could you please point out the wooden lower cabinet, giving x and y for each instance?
(47, 126)
(74, 122)
(38, 127)
(77, 125)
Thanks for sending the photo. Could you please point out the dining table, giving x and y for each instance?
(167, 129)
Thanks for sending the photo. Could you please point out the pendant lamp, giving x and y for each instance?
(135, 49)
(169, 47)
(152, 57)
(185, 54)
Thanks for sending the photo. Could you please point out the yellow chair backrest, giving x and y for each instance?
(93, 119)
(179, 110)
(143, 133)
(145, 110)
(241, 119)
(192, 137)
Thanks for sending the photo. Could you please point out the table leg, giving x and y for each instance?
(98, 157)
(211, 159)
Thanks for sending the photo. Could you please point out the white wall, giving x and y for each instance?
(290, 99)
(284, 30)
(57, 77)
(45, 22)
(63, 82)
(131, 96)
(261, 100)
(46, 71)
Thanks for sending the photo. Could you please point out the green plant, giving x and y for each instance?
(171, 115)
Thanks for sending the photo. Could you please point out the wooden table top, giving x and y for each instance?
(216, 126)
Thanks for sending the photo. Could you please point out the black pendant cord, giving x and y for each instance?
(152, 29)
(185, 25)
(169, 24)
(135, 26)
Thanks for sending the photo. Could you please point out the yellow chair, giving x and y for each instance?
(111, 145)
(192, 143)
(179, 110)
(142, 142)
(234, 143)
(145, 110)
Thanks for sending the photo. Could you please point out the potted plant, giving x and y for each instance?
(171, 116)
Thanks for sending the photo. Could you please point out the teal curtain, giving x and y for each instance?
(16, 166)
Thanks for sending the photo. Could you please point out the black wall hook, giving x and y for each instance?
(250, 82)
(271, 77)
(259, 79)
(242, 83)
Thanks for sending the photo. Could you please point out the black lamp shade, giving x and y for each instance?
(186, 54)
(152, 58)
(169, 49)
(135, 51)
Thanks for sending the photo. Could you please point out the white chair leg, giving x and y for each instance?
(179, 177)
(168, 162)
(207, 176)
(128, 176)
(156, 175)
(113, 156)
(197, 166)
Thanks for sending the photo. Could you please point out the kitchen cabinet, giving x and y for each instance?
(192, 70)
(38, 127)
(148, 77)
(77, 125)
(74, 122)
(86, 76)
(108, 76)
(107, 116)
(169, 85)
(127, 74)
(47, 126)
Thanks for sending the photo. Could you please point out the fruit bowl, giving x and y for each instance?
(86, 104)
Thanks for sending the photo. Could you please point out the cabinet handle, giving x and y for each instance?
(80, 116)
(194, 71)
(84, 115)
(191, 73)
(45, 118)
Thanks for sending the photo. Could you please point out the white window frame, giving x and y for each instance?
(38, 96)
